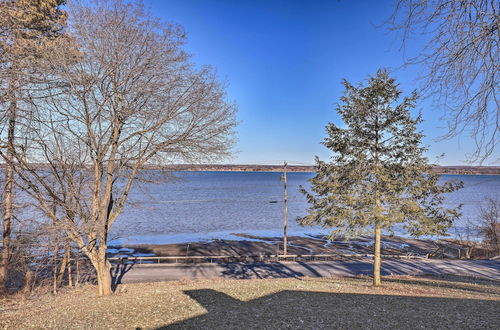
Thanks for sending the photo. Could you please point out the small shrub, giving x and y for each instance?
(489, 224)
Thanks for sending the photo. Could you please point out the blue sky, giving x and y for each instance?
(284, 62)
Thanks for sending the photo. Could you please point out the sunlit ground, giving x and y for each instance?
(402, 302)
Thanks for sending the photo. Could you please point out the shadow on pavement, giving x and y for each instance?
(258, 270)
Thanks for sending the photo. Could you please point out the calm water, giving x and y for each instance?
(206, 205)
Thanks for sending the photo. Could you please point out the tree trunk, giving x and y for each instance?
(64, 264)
(377, 259)
(77, 262)
(70, 271)
(28, 281)
(9, 180)
(4, 267)
(54, 268)
(103, 271)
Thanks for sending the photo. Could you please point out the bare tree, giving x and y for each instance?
(27, 30)
(489, 224)
(128, 100)
(462, 57)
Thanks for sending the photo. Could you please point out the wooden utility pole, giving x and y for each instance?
(285, 200)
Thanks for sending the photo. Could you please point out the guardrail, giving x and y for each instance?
(254, 258)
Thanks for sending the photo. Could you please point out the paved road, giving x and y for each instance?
(489, 269)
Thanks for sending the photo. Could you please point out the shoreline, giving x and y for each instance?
(251, 245)
(451, 169)
(243, 168)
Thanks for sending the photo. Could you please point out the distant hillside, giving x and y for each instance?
(491, 170)
(242, 168)
(486, 170)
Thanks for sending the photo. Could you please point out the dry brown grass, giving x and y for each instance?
(402, 302)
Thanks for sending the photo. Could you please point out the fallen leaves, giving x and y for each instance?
(292, 303)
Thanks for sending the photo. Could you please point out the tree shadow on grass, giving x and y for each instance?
(488, 269)
(320, 310)
(465, 279)
(117, 273)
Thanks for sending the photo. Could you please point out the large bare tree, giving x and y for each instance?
(462, 60)
(28, 29)
(128, 99)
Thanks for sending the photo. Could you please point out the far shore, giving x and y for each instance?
(462, 170)
(455, 169)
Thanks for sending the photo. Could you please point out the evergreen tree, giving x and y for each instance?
(29, 30)
(378, 176)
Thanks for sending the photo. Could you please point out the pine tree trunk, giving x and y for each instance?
(8, 198)
(377, 258)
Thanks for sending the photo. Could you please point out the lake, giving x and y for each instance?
(209, 205)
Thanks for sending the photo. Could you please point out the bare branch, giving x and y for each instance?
(462, 57)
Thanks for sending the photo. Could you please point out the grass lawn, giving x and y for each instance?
(305, 303)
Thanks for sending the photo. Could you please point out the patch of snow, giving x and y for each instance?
(362, 243)
(133, 255)
(327, 244)
(395, 245)
(121, 250)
